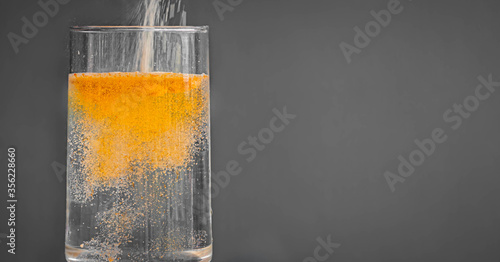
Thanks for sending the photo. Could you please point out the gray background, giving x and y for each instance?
(323, 175)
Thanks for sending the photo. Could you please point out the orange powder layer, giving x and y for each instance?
(135, 122)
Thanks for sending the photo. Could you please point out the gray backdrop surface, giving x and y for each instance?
(360, 101)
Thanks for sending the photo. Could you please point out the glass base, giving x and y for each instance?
(77, 254)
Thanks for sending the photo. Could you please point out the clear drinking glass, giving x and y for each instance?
(138, 145)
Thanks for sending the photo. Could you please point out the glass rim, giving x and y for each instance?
(91, 29)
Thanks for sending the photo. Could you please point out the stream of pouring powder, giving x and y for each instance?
(157, 13)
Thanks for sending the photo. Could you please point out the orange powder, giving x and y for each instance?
(135, 122)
